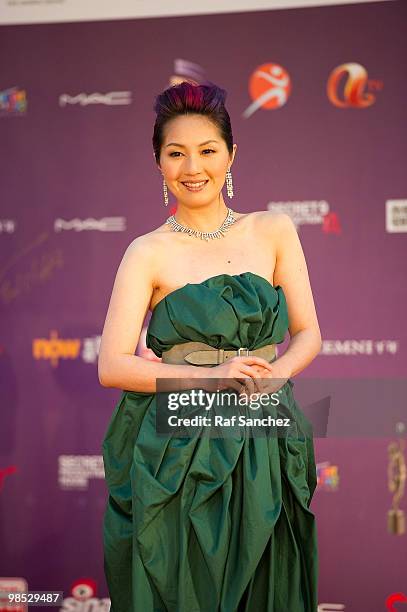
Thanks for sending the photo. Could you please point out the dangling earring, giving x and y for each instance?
(229, 184)
(165, 191)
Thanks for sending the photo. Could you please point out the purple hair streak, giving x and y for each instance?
(185, 99)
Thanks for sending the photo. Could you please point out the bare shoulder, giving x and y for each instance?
(273, 224)
(145, 250)
(284, 221)
(286, 232)
(150, 238)
(275, 220)
(140, 247)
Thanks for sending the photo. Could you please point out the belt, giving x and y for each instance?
(199, 353)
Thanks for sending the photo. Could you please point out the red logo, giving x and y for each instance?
(395, 598)
(331, 223)
(11, 469)
(83, 589)
(269, 88)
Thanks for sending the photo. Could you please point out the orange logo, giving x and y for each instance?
(269, 88)
(348, 84)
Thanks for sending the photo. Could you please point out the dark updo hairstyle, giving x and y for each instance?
(186, 99)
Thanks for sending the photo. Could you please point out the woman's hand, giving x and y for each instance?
(239, 373)
(272, 379)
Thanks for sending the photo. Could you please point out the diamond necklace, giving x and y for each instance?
(219, 233)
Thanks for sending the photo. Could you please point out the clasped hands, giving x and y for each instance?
(249, 375)
(270, 378)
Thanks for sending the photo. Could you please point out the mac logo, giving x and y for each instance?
(113, 98)
(105, 224)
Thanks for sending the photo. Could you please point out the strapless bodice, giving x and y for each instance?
(225, 311)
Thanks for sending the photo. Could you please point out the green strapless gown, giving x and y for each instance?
(210, 524)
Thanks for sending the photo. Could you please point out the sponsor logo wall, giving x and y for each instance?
(320, 124)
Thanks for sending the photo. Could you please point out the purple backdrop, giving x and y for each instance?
(78, 183)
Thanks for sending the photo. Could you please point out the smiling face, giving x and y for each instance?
(194, 159)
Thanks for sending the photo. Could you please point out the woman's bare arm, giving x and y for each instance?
(131, 295)
(292, 274)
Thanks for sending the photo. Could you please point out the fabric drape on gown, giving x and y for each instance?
(211, 524)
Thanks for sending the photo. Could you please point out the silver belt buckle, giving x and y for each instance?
(243, 348)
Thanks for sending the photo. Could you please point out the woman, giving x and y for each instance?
(199, 523)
